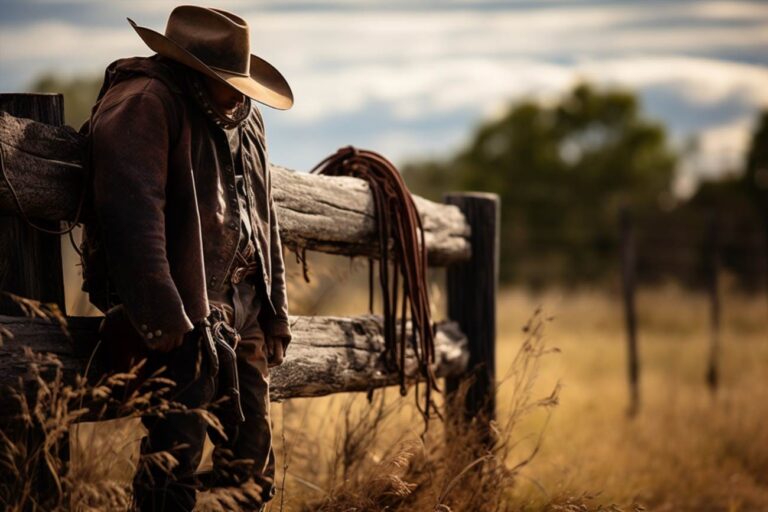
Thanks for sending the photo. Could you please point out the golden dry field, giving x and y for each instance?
(687, 450)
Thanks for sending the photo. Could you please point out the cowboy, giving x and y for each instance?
(186, 231)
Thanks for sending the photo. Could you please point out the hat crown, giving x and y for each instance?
(218, 38)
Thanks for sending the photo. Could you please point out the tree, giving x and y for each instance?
(756, 176)
(79, 94)
(756, 172)
(562, 171)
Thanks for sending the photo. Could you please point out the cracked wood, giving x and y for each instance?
(327, 354)
(329, 214)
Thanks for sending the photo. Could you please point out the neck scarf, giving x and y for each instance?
(203, 99)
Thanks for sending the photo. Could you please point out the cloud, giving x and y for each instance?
(720, 150)
(380, 73)
(416, 89)
(55, 40)
(705, 81)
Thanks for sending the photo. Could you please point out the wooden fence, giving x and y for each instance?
(629, 277)
(42, 160)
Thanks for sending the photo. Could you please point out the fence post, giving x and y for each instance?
(30, 263)
(471, 288)
(628, 276)
(30, 260)
(713, 270)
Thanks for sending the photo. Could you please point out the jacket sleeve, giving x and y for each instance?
(130, 153)
(279, 326)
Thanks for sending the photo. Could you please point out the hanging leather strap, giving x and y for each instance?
(401, 244)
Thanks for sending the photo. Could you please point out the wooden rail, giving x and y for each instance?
(327, 354)
(331, 214)
(323, 213)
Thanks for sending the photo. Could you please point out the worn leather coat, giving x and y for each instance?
(167, 217)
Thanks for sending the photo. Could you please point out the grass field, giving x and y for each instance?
(687, 450)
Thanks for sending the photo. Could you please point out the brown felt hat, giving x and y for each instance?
(217, 43)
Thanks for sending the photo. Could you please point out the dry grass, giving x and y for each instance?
(345, 454)
(686, 451)
(35, 452)
(375, 465)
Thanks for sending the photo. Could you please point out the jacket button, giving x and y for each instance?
(232, 225)
(158, 332)
(144, 327)
(150, 336)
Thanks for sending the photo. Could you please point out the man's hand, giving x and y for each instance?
(275, 350)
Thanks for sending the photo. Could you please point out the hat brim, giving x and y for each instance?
(265, 83)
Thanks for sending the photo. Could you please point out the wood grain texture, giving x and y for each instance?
(471, 289)
(327, 354)
(329, 214)
(30, 260)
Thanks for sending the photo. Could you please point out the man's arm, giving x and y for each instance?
(279, 327)
(131, 139)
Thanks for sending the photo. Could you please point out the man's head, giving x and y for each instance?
(226, 99)
(216, 44)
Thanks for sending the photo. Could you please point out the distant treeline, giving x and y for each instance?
(565, 171)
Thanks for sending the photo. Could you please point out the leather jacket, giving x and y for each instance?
(167, 219)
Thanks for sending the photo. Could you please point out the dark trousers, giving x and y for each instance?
(247, 452)
(158, 485)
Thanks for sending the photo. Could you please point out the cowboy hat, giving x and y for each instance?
(217, 44)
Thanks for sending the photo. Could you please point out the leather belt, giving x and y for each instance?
(245, 264)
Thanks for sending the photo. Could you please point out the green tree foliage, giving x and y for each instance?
(755, 181)
(562, 171)
(737, 205)
(79, 92)
(756, 172)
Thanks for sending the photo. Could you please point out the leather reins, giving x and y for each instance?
(401, 241)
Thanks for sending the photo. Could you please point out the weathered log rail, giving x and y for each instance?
(330, 214)
(327, 354)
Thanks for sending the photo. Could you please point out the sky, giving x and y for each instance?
(412, 78)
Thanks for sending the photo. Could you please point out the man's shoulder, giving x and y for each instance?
(139, 77)
(137, 87)
(255, 122)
